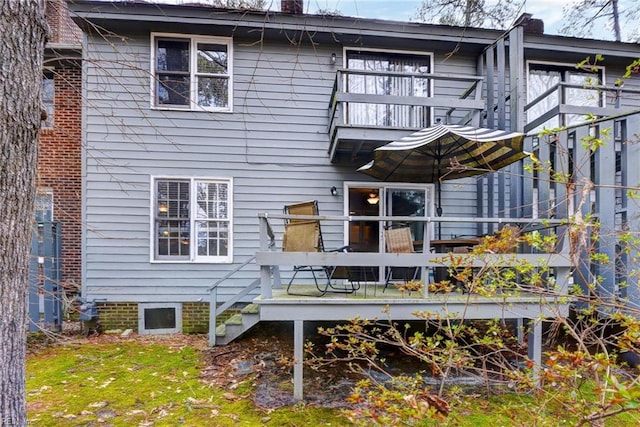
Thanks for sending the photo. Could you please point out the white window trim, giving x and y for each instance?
(193, 258)
(143, 306)
(193, 43)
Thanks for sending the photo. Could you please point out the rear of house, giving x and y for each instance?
(197, 119)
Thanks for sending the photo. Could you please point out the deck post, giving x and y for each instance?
(535, 347)
(298, 358)
(213, 303)
(265, 270)
(520, 330)
(630, 153)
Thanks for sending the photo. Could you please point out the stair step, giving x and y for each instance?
(237, 324)
(221, 330)
(251, 309)
(236, 319)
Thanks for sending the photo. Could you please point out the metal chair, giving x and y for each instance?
(399, 241)
(305, 235)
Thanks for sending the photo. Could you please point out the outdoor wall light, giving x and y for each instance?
(333, 58)
(334, 191)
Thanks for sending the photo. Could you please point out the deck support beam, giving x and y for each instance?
(535, 347)
(298, 358)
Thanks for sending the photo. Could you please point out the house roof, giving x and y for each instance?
(136, 17)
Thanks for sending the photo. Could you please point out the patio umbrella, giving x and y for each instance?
(444, 152)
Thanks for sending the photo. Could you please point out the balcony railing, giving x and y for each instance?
(270, 259)
(369, 108)
(569, 99)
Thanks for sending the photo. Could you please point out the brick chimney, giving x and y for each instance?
(529, 24)
(295, 7)
(61, 28)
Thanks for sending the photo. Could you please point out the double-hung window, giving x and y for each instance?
(192, 220)
(191, 72)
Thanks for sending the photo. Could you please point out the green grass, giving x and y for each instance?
(156, 382)
(140, 383)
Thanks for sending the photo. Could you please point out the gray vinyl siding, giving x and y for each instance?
(273, 145)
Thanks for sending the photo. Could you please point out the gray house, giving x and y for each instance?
(201, 124)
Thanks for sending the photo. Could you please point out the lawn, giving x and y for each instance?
(145, 382)
(178, 380)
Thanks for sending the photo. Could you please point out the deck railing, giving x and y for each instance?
(558, 101)
(270, 259)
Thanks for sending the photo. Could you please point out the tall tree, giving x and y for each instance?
(470, 13)
(23, 29)
(586, 17)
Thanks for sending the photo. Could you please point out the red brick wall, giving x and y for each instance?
(59, 166)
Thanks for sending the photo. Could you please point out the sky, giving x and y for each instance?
(550, 11)
(404, 10)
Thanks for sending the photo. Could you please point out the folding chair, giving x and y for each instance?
(399, 241)
(305, 235)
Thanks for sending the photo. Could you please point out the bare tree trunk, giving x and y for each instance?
(22, 29)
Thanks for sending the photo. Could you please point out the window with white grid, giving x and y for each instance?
(191, 72)
(192, 220)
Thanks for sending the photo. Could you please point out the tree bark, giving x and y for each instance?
(23, 30)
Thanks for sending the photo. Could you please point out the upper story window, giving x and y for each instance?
(192, 72)
(544, 76)
(192, 220)
(44, 205)
(388, 73)
(48, 95)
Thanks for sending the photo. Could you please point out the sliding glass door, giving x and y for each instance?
(401, 200)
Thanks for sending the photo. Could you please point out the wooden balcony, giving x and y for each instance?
(558, 102)
(361, 121)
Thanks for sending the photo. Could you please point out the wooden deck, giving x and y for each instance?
(373, 301)
(390, 302)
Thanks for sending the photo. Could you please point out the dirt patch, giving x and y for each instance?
(265, 356)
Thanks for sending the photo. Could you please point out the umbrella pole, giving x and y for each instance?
(439, 208)
(439, 191)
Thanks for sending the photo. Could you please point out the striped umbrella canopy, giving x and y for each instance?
(444, 152)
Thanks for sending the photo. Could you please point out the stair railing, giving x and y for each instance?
(214, 310)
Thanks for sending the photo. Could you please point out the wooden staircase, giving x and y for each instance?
(237, 324)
